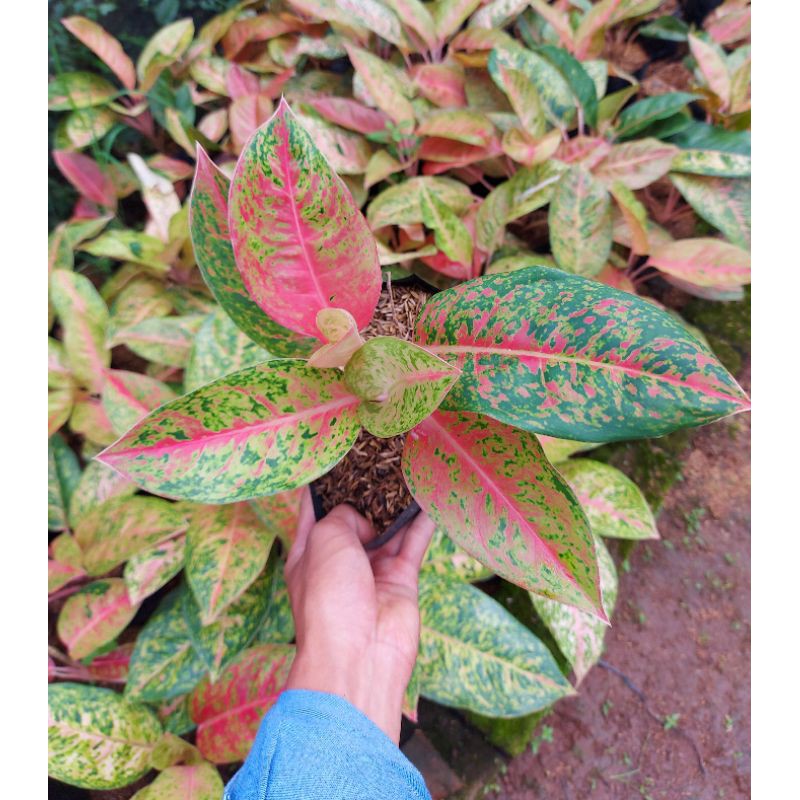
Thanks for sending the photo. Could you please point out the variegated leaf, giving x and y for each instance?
(520, 147)
(227, 548)
(159, 197)
(188, 782)
(84, 319)
(104, 46)
(123, 526)
(580, 223)
(127, 245)
(579, 635)
(450, 15)
(301, 244)
(208, 222)
(445, 557)
(722, 202)
(380, 166)
(97, 738)
(491, 489)
(712, 162)
(280, 513)
(451, 234)
(703, 262)
(402, 204)
(710, 58)
(112, 667)
(569, 357)
(497, 13)
(164, 665)
(94, 616)
(59, 408)
(588, 151)
(533, 187)
(139, 299)
(346, 152)
(220, 348)
(474, 654)
(558, 450)
(147, 571)
(469, 127)
(614, 504)
(634, 214)
(129, 396)
(65, 549)
(641, 114)
(399, 382)
(415, 15)
(82, 128)
(163, 49)
(636, 164)
(89, 419)
(349, 113)
(98, 483)
(174, 715)
(164, 340)
(229, 711)
(235, 626)
(245, 114)
(441, 84)
(278, 627)
(63, 476)
(87, 177)
(577, 79)
(259, 431)
(524, 99)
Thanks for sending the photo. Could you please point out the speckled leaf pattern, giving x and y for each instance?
(533, 187)
(174, 715)
(164, 340)
(163, 49)
(229, 711)
(450, 15)
(123, 526)
(524, 99)
(219, 349)
(346, 153)
(460, 125)
(84, 319)
(98, 483)
(208, 225)
(112, 665)
(147, 571)
(233, 629)
(572, 358)
(712, 162)
(491, 489)
(474, 654)
(402, 204)
(262, 430)
(614, 504)
(580, 223)
(186, 782)
(400, 383)
(445, 557)
(636, 164)
(634, 214)
(451, 235)
(576, 78)
(301, 244)
(721, 202)
(227, 547)
(280, 512)
(278, 627)
(97, 738)
(703, 262)
(129, 396)
(164, 664)
(127, 245)
(579, 635)
(94, 616)
(63, 476)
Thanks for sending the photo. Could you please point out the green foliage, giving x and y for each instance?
(212, 355)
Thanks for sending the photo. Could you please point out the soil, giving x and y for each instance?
(666, 716)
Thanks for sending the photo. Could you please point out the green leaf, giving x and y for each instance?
(164, 340)
(97, 738)
(399, 382)
(94, 616)
(188, 782)
(123, 526)
(492, 491)
(668, 29)
(450, 15)
(262, 430)
(473, 654)
(572, 358)
(133, 246)
(558, 450)
(703, 262)
(452, 236)
(147, 571)
(84, 319)
(164, 664)
(63, 475)
(129, 396)
(524, 99)
(637, 117)
(220, 348)
(402, 204)
(712, 162)
(278, 627)
(84, 127)
(229, 711)
(208, 224)
(580, 223)
(70, 90)
(701, 135)
(614, 504)
(280, 513)
(163, 49)
(445, 557)
(141, 298)
(98, 483)
(579, 635)
(725, 204)
(226, 549)
(576, 77)
(533, 187)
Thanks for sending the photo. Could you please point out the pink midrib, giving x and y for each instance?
(125, 392)
(524, 524)
(80, 306)
(508, 351)
(97, 619)
(279, 422)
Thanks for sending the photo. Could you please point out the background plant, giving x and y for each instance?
(453, 135)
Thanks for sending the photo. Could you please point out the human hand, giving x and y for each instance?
(356, 612)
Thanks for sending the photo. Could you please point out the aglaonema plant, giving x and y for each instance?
(493, 362)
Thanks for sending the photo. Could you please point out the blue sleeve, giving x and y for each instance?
(317, 746)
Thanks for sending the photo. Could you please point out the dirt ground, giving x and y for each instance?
(681, 637)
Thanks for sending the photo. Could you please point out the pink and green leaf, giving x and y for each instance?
(491, 489)
(340, 333)
(130, 396)
(402, 204)
(72, 90)
(104, 46)
(63, 476)
(710, 58)
(636, 164)
(279, 513)
(634, 214)
(163, 340)
(400, 384)
(259, 431)
(229, 711)
(147, 571)
(572, 358)
(87, 177)
(703, 262)
(451, 235)
(349, 113)
(712, 162)
(188, 782)
(112, 667)
(441, 84)
(98, 483)
(89, 419)
(300, 242)
(469, 127)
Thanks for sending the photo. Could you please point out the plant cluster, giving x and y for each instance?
(216, 360)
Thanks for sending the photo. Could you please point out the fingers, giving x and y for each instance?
(346, 518)
(416, 540)
(305, 522)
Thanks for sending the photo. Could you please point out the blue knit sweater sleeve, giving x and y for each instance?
(317, 746)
